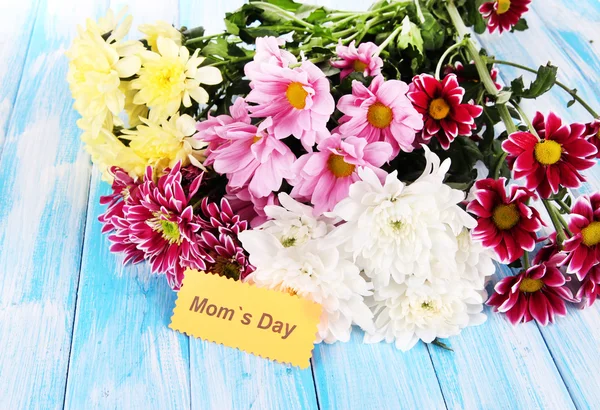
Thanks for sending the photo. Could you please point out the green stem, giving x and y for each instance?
(387, 41)
(499, 165)
(526, 260)
(231, 61)
(558, 226)
(564, 224)
(453, 47)
(419, 12)
(563, 206)
(201, 39)
(481, 66)
(571, 92)
(525, 119)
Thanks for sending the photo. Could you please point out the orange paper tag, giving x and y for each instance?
(267, 323)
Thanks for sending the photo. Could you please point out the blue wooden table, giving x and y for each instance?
(79, 330)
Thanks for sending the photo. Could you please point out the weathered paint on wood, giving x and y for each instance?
(57, 271)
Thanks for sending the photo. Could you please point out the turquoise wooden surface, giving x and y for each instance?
(78, 330)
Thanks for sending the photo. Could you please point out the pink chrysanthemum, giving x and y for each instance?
(553, 160)
(269, 53)
(592, 132)
(505, 223)
(298, 100)
(162, 224)
(218, 240)
(210, 131)
(249, 207)
(381, 112)
(589, 288)
(468, 74)
(358, 60)
(584, 246)
(324, 177)
(538, 293)
(252, 156)
(440, 104)
(503, 14)
(125, 191)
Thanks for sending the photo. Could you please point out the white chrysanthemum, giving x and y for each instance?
(171, 77)
(163, 143)
(159, 29)
(475, 263)
(315, 270)
(293, 223)
(406, 314)
(98, 60)
(394, 230)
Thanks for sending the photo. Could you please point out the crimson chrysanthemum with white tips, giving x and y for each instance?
(584, 246)
(503, 15)
(441, 105)
(505, 222)
(553, 159)
(125, 190)
(162, 224)
(538, 293)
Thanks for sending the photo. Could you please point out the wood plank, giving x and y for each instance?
(222, 377)
(16, 28)
(573, 340)
(123, 354)
(43, 191)
(354, 375)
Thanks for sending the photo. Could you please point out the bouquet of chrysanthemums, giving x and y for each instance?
(350, 158)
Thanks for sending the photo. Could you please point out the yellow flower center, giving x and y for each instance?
(439, 109)
(339, 167)
(505, 216)
(359, 66)
(547, 152)
(256, 139)
(379, 115)
(296, 95)
(591, 234)
(503, 6)
(531, 285)
(170, 74)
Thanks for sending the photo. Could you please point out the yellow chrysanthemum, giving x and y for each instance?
(170, 77)
(96, 66)
(160, 29)
(134, 111)
(162, 143)
(107, 150)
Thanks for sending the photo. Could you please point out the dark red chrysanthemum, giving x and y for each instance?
(218, 241)
(553, 160)
(584, 246)
(538, 293)
(503, 14)
(505, 223)
(440, 104)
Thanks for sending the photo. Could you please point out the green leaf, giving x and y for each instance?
(545, 79)
(432, 32)
(520, 26)
(410, 35)
(217, 47)
(232, 28)
(288, 5)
